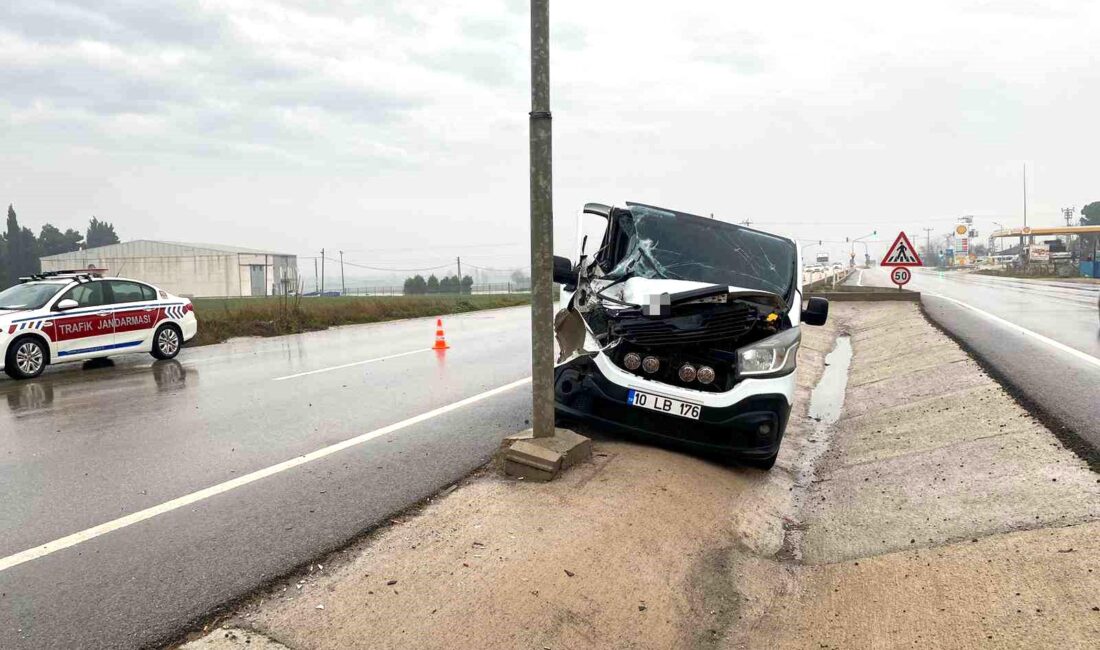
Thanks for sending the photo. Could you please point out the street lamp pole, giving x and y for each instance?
(542, 226)
(992, 240)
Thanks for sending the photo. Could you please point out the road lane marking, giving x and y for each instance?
(350, 365)
(859, 282)
(1084, 356)
(214, 490)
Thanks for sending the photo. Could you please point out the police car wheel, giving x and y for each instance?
(167, 342)
(26, 359)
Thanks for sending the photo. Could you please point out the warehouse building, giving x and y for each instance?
(192, 270)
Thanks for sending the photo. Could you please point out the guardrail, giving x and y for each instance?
(815, 279)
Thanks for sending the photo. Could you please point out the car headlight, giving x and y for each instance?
(772, 356)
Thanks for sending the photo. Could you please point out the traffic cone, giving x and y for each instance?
(440, 338)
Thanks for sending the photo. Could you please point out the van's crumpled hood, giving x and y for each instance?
(638, 291)
(669, 283)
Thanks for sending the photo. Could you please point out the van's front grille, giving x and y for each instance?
(715, 324)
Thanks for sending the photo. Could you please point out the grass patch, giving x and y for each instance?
(224, 318)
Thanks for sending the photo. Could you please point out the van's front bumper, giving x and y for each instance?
(747, 421)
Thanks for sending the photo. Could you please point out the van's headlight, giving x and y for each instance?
(772, 356)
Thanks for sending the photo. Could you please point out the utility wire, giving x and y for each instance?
(375, 268)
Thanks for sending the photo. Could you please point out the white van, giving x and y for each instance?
(684, 328)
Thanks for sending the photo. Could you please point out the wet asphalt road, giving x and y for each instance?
(80, 447)
(999, 318)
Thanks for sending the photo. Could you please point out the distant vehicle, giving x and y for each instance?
(822, 258)
(65, 316)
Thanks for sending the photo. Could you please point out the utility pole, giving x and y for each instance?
(548, 450)
(322, 272)
(542, 226)
(1025, 211)
(1025, 195)
(1068, 214)
(343, 287)
(458, 263)
(928, 241)
(315, 288)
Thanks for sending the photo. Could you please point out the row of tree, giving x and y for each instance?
(417, 285)
(20, 248)
(1090, 216)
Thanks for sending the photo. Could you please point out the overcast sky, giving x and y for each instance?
(397, 129)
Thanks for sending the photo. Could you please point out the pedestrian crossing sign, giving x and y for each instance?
(901, 253)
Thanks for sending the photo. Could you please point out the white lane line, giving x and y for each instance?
(859, 282)
(355, 363)
(214, 490)
(1084, 356)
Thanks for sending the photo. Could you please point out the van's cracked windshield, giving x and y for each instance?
(548, 325)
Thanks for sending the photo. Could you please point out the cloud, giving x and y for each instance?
(384, 120)
(169, 23)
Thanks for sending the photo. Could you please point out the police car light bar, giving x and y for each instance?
(81, 275)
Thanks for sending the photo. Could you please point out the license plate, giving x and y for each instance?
(663, 404)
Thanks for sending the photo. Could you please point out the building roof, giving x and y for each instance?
(151, 248)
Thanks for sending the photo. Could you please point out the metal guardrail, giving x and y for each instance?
(819, 278)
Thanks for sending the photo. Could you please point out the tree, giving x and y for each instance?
(1090, 216)
(519, 277)
(4, 284)
(467, 284)
(415, 286)
(433, 284)
(447, 285)
(21, 250)
(100, 233)
(52, 241)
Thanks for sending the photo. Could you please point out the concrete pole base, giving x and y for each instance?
(542, 459)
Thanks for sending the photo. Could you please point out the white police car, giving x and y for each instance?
(65, 316)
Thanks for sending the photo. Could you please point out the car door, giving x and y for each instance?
(135, 314)
(86, 330)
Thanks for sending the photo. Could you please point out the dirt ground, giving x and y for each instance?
(934, 513)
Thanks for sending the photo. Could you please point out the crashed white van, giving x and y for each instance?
(682, 327)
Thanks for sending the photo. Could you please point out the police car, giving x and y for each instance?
(64, 316)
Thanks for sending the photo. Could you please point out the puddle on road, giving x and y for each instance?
(827, 399)
(826, 405)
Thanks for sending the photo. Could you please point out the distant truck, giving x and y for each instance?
(822, 258)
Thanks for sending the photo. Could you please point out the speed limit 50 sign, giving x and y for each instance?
(900, 275)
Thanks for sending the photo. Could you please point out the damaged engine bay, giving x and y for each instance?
(672, 297)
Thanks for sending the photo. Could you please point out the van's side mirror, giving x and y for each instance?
(816, 311)
(564, 274)
(67, 304)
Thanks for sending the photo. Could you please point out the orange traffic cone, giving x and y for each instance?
(440, 338)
